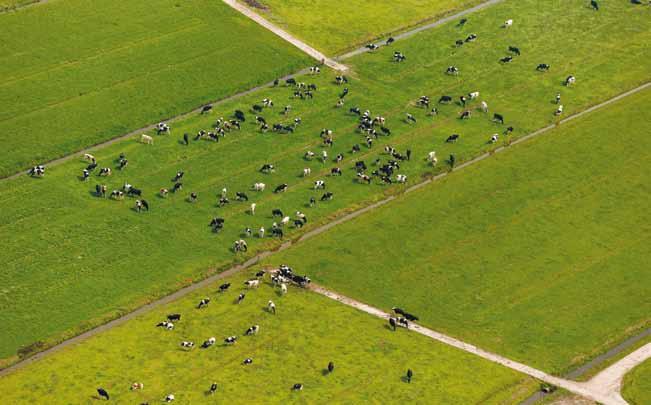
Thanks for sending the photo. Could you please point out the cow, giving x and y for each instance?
(594, 5)
(508, 23)
(258, 186)
(445, 100)
(105, 171)
(515, 50)
(484, 106)
(570, 80)
(100, 190)
(559, 110)
(498, 118)
(252, 330)
(206, 109)
(261, 232)
(213, 388)
(389, 41)
(283, 289)
(271, 307)
(267, 168)
(410, 374)
(431, 157)
(203, 303)
(458, 43)
(465, 115)
(473, 95)
(85, 174)
(494, 138)
(297, 387)
(230, 340)
(188, 345)
(452, 70)
(506, 59)
(452, 138)
(319, 184)
(103, 393)
(410, 118)
(401, 178)
(177, 186)
(327, 196)
(335, 171)
(174, 317)
(276, 212)
(169, 398)
(252, 283)
(471, 38)
(543, 67)
(224, 287)
(117, 194)
(137, 386)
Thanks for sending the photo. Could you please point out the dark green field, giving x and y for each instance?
(74, 73)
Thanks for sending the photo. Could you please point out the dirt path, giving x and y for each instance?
(609, 381)
(254, 260)
(16, 8)
(286, 35)
(583, 389)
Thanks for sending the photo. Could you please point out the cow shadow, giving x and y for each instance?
(404, 379)
(325, 372)
(96, 397)
(388, 327)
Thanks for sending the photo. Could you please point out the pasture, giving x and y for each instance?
(88, 71)
(293, 346)
(636, 387)
(335, 26)
(538, 253)
(81, 259)
(11, 4)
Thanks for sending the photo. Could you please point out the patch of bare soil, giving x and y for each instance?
(256, 4)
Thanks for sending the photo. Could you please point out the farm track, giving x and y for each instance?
(16, 8)
(257, 258)
(592, 390)
(240, 94)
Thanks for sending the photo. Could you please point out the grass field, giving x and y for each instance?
(294, 346)
(636, 388)
(538, 254)
(335, 26)
(11, 4)
(65, 249)
(78, 72)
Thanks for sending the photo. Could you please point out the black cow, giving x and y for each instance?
(224, 287)
(499, 118)
(594, 5)
(277, 213)
(506, 59)
(465, 115)
(241, 196)
(445, 100)
(103, 393)
(390, 40)
(331, 367)
(452, 138)
(290, 82)
(174, 317)
(515, 50)
(267, 168)
(206, 108)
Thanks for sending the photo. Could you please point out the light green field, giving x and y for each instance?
(11, 4)
(294, 346)
(539, 253)
(81, 259)
(636, 388)
(336, 26)
(74, 73)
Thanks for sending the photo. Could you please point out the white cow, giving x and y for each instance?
(146, 139)
(284, 221)
(271, 307)
(252, 283)
(401, 178)
(508, 23)
(259, 186)
(559, 110)
(88, 156)
(261, 232)
(283, 289)
(494, 138)
(431, 157)
(307, 171)
(473, 95)
(484, 106)
(253, 209)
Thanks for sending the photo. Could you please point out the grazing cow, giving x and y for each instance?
(484, 106)
(434, 111)
(240, 298)
(283, 288)
(445, 100)
(399, 57)
(324, 156)
(100, 190)
(335, 171)
(508, 23)
(290, 82)
(340, 103)
(162, 128)
(281, 188)
(103, 393)
(508, 130)
(297, 387)
(252, 330)
(410, 374)
(276, 212)
(240, 246)
(230, 340)
(341, 79)
(267, 168)
(506, 59)
(208, 343)
(137, 386)
(462, 100)
(224, 287)
(259, 186)
(594, 5)
(117, 194)
(260, 274)
(515, 50)
(174, 317)
(204, 302)
(169, 398)
(319, 184)
(252, 283)
(271, 307)
(356, 148)
(401, 178)
(177, 187)
(85, 174)
(559, 110)
(123, 163)
(261, 232)
(494, 138)
(213, 388)
(89, 157)
(277, 232)
(458, 43)
(498, 118)
(90, 167)
(284, 221)
(431, 157)
(543, 67)
(371, 47)
(452, 70)
(410, 118)
(217, 223)
(473, 95)
(248, 360)
(239, 115)
(188, 345)
(239, 196)
(105, 171)
(307, 171)
(389, 41)
(452, 138)
(256, 108)
(570, 80)
(471, 38)
(206, 109)
(327, 196)
(465, 115)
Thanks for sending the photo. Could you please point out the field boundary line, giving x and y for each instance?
(247, 12)
(422, 28)
(582, 389)
(262, 255)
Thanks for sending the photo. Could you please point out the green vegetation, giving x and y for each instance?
(79, 259)
(335, 26)
(538, 253)
(12, 4)
(87, 71)
(636, 388)
(293, 346)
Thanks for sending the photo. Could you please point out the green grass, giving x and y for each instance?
(11, 4)
(294, 346)
(78, 72)
(81, 260)
(636, 388)
(335, 26)
(538, 253)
